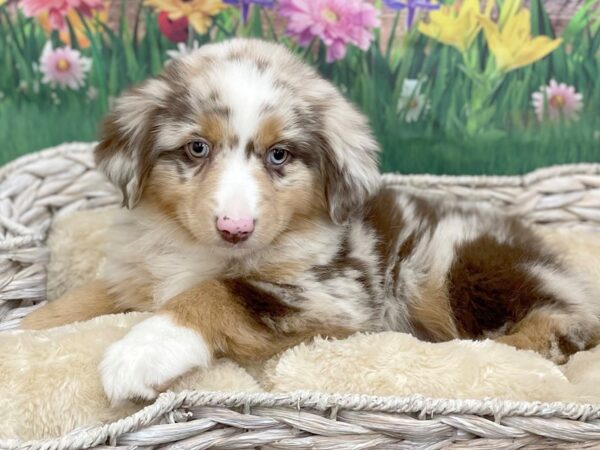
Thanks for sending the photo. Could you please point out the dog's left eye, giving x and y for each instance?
(198, 149)
(277, 156)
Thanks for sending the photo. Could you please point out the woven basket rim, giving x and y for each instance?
(476, 181)
(63, 149)
(410, 404)
(415, 404)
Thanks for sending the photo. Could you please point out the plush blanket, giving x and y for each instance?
(50, 385)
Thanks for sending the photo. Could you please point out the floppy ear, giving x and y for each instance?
(350, 168)
(125, 151)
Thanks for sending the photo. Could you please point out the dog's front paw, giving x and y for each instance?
(153, 353)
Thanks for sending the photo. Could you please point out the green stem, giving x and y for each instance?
(388, 50)
(12, 31)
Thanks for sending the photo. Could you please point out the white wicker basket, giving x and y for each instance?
(36, 188)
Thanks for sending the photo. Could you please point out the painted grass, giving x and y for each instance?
(509, 141)
(28, 126)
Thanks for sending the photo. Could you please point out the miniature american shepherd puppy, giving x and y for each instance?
(256, 220)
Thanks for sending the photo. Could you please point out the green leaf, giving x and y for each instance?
(392, 38)
(98, 66)
(72, 36)
(579, 21)
(540, 21)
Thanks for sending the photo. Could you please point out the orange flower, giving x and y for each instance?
(74, 19)
(198, 12)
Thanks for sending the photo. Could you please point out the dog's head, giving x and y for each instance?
(239, 142)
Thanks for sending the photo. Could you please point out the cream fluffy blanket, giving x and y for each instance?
(49, 382)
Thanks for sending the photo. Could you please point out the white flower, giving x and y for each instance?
(412, 103)
(182, 50)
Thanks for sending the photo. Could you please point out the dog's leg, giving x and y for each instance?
(217, 318)
(553, 334)
(83, 303)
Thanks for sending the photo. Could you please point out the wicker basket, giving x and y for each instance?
(44, 185)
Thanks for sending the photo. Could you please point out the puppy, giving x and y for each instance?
(256, 220)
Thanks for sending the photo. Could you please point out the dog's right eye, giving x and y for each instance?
(198, 149)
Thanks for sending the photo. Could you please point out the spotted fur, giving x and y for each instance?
(332, 252)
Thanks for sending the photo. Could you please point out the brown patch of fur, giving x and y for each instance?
(291, 208)
(427, 211)
(233, 327)
(214, 129)
(384, 215)
(83, 303)
(269, 132)
(548, 335)
(431, 313)
(489, 284)
(284, 272)
(186, 203)
(404, 251)
(256, 301)
(341, 263)
(114, 141)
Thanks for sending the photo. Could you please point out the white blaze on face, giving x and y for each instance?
(237, 193)
(246, 91)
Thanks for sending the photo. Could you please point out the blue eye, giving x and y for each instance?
(277, 156)
(198, 149)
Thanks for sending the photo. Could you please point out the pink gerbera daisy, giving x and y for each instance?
(58, 9)
(64, 67)
(562, 101)
(336, 22)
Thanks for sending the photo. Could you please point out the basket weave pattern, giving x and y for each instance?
(39, 187)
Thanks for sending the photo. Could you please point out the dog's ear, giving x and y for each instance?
(350, 167)
(125, 151)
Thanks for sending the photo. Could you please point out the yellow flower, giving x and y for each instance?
(513, 45)
(509, 9)
(78, 27)
(198, 12)
(456, 25)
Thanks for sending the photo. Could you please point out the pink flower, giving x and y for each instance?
(336, 22)
(562, 101)
(58, 9)
(64, 67)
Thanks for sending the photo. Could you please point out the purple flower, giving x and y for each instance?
(411, 7)
(245, 5)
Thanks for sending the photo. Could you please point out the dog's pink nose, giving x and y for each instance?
(235, 230)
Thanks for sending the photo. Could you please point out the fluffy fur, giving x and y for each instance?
(53, 385)
(244, 132)
(51, 381)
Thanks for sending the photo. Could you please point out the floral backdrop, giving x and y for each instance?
(450, 86)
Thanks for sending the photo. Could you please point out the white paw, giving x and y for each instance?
(153, 353)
